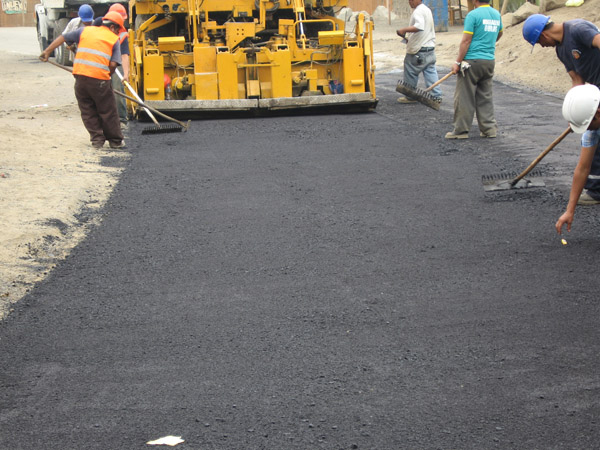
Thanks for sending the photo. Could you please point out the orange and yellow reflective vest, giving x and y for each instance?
(94, 52)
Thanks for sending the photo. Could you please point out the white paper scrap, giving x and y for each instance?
(171, 441)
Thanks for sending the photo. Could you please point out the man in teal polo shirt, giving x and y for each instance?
(473, 94)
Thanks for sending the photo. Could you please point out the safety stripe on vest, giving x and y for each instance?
(594, 177)
(91, 63)
(94, 52)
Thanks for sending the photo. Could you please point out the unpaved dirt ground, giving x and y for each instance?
(53, 184)
(51, 180)
(515, 63)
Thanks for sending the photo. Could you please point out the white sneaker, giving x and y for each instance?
(586, 199)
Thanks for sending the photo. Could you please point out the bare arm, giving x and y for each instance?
(596, 41)
(402, 31)
(125, 64)
(576, 78)
(499, 35)
(53, 46)
(579, 178)
(463, 48)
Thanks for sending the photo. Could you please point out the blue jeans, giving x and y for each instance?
(422, 62)
(592, 139)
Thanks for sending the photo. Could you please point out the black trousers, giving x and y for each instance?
(98, 110)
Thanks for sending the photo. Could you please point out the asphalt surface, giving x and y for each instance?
(309, 282)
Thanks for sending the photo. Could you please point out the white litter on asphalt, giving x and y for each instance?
(171, 441)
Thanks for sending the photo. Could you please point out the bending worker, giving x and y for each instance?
(577, 45)
(580, 109)
(98, 55)
(473, 94)
(420, 49)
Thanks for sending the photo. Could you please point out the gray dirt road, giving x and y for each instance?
(328, 282)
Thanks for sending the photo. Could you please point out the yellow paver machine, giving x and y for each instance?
(202, 57)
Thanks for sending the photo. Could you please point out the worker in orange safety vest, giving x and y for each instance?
(98, 55)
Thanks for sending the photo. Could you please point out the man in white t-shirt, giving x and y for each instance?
(419, 36)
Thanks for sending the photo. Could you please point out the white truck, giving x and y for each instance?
(52, 16)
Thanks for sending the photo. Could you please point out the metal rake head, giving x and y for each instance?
(419, 95)
(506, 176)
(166, 128)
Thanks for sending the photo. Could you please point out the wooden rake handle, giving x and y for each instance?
(440, 81)
(68, 69)
(185, 126)
(541, 156)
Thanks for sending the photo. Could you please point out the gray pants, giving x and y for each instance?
(422, 62)
(473, 95)
(121, 102)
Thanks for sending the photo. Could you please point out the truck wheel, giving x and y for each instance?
(62, 52)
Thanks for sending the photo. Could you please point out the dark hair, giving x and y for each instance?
(548, 25)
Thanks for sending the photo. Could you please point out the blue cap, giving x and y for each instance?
(86, 13)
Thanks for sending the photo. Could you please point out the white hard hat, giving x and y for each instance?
(580, 106)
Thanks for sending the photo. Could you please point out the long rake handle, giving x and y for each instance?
(155, 111)
(68, 69)
(440, 81)
(541, 156)
(138, 97)
(142, 104)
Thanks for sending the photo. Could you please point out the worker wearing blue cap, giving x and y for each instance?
(85, 16)
(577, 44)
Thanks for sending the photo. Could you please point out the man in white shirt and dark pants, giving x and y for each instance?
(419, 36)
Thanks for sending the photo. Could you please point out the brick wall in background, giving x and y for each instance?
(17, 13)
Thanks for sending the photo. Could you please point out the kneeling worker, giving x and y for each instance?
(98, 55)
(580, 109)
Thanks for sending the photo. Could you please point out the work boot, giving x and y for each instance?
(453, 135)
(406, 100)
(98, 144)
(491, 134)
(588, 197)
(120, 145)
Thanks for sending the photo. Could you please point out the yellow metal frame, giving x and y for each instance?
(201, 67)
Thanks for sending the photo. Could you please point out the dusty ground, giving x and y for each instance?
(50, 178)
(52, 181)
(540, 70)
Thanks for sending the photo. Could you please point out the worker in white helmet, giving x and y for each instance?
(581, 110)
(577, 45)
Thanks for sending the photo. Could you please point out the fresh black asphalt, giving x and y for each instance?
(318, 282)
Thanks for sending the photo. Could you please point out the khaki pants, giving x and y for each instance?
(117, 85)
(473, 96)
